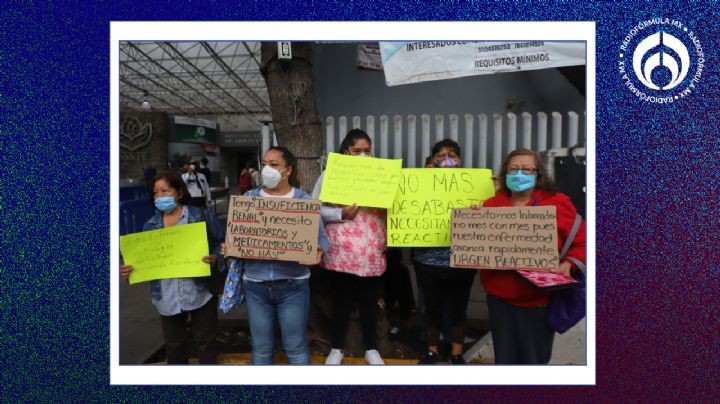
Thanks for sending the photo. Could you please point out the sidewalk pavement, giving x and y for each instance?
(568, 348)
(141, 334)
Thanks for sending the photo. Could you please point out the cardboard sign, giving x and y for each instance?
(505, 238)
(284, 229)
(363, 181)
(173, 252)
(420, 214)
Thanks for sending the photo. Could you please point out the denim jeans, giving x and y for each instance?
(288, 301)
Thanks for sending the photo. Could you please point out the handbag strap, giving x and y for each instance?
(207, 228)
(568, 242)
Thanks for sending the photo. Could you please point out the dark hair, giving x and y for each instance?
(290, 161)
(446, 143)
(204, 160)
(175, 182)
(543, 181)
(351, 138)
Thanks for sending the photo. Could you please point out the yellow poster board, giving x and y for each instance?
(420, 214)
(173, 252)
(363, 181)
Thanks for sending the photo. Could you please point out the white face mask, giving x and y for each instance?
(271, 177)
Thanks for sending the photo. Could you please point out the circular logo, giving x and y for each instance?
(200, 132)
(661, 60)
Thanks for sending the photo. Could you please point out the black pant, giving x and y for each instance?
(445, 289)
(348, 289)
(204, 323)
(398, 285)
(520, 334)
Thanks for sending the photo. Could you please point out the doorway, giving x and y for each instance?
(242, 157)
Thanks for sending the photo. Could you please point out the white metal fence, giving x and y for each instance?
(484, 139)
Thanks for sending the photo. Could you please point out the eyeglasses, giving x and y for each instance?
(357, 150)
(525, 170)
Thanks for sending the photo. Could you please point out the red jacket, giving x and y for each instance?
(506, 284)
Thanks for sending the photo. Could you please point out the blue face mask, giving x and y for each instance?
(165, 204)
(519, 182)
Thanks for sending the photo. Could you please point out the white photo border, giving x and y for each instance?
(350, 375)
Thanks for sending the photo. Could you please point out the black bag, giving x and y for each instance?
(568, 306)
(570, 178)
(216, 280)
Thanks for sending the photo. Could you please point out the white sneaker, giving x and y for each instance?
(335, 357)
(372, 357)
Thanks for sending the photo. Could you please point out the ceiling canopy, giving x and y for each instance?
(218, 81)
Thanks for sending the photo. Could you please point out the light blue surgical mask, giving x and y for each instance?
(520, 182)
(165, 204)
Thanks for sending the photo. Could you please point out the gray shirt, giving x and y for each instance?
(179, 294)
(330, 214)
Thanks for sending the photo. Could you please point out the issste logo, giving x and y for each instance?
(661, 60)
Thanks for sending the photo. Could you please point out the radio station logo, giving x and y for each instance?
(661, 60)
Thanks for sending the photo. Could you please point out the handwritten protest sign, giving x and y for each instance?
(420, 214)
(173, 252)
(505, 238)
(362, 181)
(284, 229)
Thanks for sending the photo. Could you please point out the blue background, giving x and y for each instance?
(657, 223)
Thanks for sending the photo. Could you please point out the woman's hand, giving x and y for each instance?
(125, 271)
(310, 261)
(349, 212)
(564, 268)
(210, 259)
(223, 250)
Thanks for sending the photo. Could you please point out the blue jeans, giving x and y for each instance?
(288, 301)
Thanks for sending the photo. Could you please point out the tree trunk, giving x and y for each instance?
(297, 126)
(294, 111)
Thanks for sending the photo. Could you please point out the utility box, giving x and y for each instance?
(567, 166)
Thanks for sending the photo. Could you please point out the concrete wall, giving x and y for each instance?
(143, 141)
(343, 89)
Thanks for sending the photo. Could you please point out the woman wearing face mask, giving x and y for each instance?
(276, 289)
(178, 298)
(518, 312)
(356, 254)
(446, 290)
